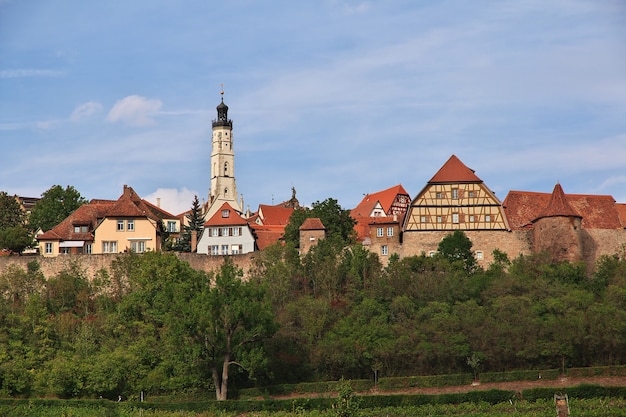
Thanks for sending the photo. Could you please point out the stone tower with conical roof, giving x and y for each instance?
(557, 229)
(223, 185)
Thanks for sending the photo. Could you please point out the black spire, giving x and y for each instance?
(222, 115)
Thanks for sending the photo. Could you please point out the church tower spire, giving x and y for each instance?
(223, 185)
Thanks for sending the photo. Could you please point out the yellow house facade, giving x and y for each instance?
(105, 226)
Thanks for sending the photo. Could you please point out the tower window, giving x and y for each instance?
(226, 169)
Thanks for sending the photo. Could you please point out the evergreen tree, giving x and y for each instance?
(457, 247)
(195, 222)
(11, 214)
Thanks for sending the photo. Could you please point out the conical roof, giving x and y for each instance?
(558, 206)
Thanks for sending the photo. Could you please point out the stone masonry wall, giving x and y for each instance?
(511, 243)
(93, 263)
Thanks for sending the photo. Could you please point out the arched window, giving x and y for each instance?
(225, 192)
(226, 169)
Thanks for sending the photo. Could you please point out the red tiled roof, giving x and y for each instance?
(312, 223)
(621, 212)
(597, 211)
(85, 215)
(232, 219)
(267, 235)
(274, 215)
(362, 227)
(454, 171)
(557, 206)
(384, 197)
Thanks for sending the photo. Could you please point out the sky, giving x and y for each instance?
(336, 98)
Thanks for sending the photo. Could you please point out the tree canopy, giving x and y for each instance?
(54, 206)
(11, 213)
(339, 225)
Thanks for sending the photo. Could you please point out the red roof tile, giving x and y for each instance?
(267, 235)
(557, 206)
(226, 216)
(454, 171)
(274, 215)
(312, 223)
(385, 197)
(621, 212)
(597, 211)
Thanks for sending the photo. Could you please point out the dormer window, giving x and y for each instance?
(225, 213)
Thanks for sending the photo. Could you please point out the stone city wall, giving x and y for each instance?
(94, 263)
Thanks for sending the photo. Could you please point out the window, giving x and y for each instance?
(225, 231)
(236, 231)
(120, 225)
(130, 226)
(439, 195)
(487, 218)
(235, 249)
(455, 218)
(424, 219)
(224, 249)
(455, 193)
(215, 250)
(64, 251)
(390, 231)
(109, 247)
(225, 213)
(439, 219)
(76, 229)
(226, 169)
(471, 194)
(171, 226)
(384, 250)
(471, 218)
(88, 249)
(138, 246)
(48, 247)
(479, 255)
(215, 232)
(379, 232)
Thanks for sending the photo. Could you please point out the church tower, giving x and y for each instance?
(223, 186)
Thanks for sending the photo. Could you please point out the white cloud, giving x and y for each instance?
(135, 110)
(19, 73)
(85, 110)
(173, 200)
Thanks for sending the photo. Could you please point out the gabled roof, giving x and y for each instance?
(385, 198)
(312, 223)
(597, 211)
(274, 215)
(454, 171)
(558, 206)
(226, 216)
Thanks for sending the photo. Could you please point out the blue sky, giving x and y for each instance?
(336, 98)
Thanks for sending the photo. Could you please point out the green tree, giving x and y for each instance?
(15, 239)
(457, 247)
(337, 221)
(195, 222)
(11, 213)
(227, 318)
(55, 205)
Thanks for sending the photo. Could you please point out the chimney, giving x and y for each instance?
(194, 241)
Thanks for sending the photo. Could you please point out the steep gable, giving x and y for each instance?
(226, 215)
(454, 171)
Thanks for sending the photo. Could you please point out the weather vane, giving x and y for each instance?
(222, 90)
